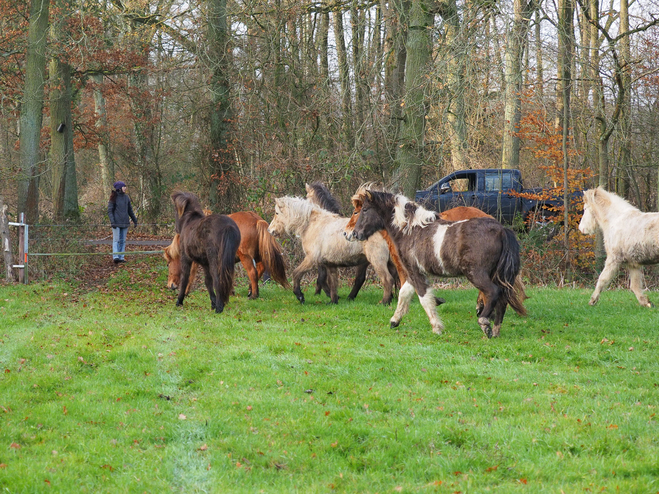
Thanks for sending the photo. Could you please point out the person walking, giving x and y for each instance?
(120, 212)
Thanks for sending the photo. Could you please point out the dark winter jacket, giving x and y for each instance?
(120, 210)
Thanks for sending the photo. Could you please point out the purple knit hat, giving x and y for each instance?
(118, 185)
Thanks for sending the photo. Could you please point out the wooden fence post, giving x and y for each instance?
(6, 245)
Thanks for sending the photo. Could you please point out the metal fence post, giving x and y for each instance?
(21, 249)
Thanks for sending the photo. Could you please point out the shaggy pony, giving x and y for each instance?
(631, 239)
(480, 249)
(319, 194)
(321, 233)
(210, 241)
(258, 251)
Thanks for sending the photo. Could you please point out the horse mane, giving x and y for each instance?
(173, 250)
(298, 211)
(603, 199)
(320, 195)
(408, 214)
(187, 202)
(358, 197)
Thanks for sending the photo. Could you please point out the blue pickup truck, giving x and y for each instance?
(488, 190)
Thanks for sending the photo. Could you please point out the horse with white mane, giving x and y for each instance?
(321, 233)
(631, 239)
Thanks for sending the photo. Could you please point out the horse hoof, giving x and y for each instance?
(439, 301)
(179, 303)
(592, 302)
(394, 324)
(485, 325)
(219, 310)
(301, 299)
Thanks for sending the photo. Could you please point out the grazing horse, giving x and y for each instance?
(631, 239)
(210, 241)
(321, 233)
(257, 252)
(480, 249)
(319, 194)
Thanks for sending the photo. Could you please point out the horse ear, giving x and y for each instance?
(307, 188)
(369, 195)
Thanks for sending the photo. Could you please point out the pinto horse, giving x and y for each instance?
(631, 239)
(319, 194)
(459, 213)
(321, 233)
(480, 249)
(210, 241)
(257, 252)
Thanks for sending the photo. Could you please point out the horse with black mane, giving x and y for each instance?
(631, 239)
(480, 249)
(212, 242)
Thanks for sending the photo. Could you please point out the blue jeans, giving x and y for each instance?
(118, 242)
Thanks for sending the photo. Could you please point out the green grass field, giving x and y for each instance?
(114, 389)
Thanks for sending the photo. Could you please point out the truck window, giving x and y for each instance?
(460, 185)
(495, 182)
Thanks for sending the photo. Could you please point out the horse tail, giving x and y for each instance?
(271, 255)
(229, 243)
(506, 274)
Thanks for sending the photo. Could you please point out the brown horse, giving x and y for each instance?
(210, 241)
(480, 249)
(258, 251)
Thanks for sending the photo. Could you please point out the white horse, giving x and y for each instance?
(631, 239)
(321, 233)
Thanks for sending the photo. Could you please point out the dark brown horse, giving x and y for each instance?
(210, 241)
(480, 249)
(258, 251)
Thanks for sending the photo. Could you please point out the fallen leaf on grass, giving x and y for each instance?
(182, 417)
(15, 446)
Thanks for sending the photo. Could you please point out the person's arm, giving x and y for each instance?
(130, 213)
(111, 207)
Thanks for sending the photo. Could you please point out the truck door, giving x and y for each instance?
(458, 189)
(496, 200)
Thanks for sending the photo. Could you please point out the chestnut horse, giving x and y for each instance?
(257, 252)
(210, 241)
(480, 249)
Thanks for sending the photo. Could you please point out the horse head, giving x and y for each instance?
(588, 224)
(172, 255)
(185, 203)
(369, 219)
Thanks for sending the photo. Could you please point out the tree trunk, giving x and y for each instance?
(32, 111)
(106, 166)
(565, 44)
(409, 156)
(513, 103)
(5, 242)
(624, 173)
(344, 77)
(540, 71)
(448, 9)
(395, 53)
(64, 177)
(224, 188)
